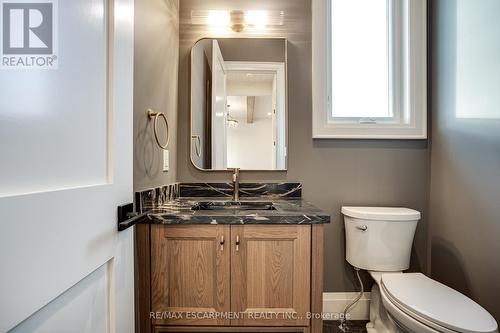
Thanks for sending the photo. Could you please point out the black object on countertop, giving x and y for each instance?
(127, 217)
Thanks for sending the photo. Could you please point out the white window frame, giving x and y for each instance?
(409, 101)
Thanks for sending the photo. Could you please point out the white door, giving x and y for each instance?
(275, 125)
(219, 109)
(280, 117)
(65, 164)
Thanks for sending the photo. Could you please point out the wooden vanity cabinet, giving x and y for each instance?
(190, 274)
(266, 276)
(270, 274)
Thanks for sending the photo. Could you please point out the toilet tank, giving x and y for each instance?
(379, 238)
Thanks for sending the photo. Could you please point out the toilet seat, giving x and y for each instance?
(434, 304)
(410, 321)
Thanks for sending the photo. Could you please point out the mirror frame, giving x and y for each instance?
(191, 105)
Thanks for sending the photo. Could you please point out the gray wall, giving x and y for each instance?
(333, 172)
(464, 230)
(155, 86)
(265, 50)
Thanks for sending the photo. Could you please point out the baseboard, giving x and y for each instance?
(335, 303)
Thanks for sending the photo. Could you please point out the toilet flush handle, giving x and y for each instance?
(362, 227)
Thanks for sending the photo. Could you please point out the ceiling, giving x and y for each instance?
(249, 78)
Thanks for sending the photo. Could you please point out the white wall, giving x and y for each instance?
(477, 37)
(249, 146)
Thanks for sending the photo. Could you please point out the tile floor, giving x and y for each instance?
(352, 327)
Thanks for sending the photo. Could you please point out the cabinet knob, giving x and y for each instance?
(237, 242)
(222, 243)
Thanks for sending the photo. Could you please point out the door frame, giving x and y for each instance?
(280, 115)
(218, 152)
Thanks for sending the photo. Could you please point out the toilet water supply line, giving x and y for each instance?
(343, 318)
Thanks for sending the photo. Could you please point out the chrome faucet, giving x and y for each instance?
(236, 184)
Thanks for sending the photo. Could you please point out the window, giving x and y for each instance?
(369, 69)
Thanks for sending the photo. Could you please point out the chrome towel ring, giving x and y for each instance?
(197, 144)
(156, 115)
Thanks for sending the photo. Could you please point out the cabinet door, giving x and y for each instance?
(270, 274)
(189, 274)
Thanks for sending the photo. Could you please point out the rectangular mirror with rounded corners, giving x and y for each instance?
(239, 104)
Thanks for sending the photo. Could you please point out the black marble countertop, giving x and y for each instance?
(286, 211)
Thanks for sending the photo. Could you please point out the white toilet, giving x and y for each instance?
(379, 240)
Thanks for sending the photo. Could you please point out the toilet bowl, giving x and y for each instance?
(379, 239)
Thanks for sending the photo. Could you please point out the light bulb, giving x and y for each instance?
(218, 18)
(257, 18)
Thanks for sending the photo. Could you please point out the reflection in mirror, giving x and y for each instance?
(238, 104)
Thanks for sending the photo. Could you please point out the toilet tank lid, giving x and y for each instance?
(382, 213)
(438, 303)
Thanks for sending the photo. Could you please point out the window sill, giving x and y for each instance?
(370, 131)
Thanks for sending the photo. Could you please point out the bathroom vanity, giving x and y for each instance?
(231, 257)
(209, 264)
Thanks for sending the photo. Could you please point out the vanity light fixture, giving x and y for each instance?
(237, 20)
